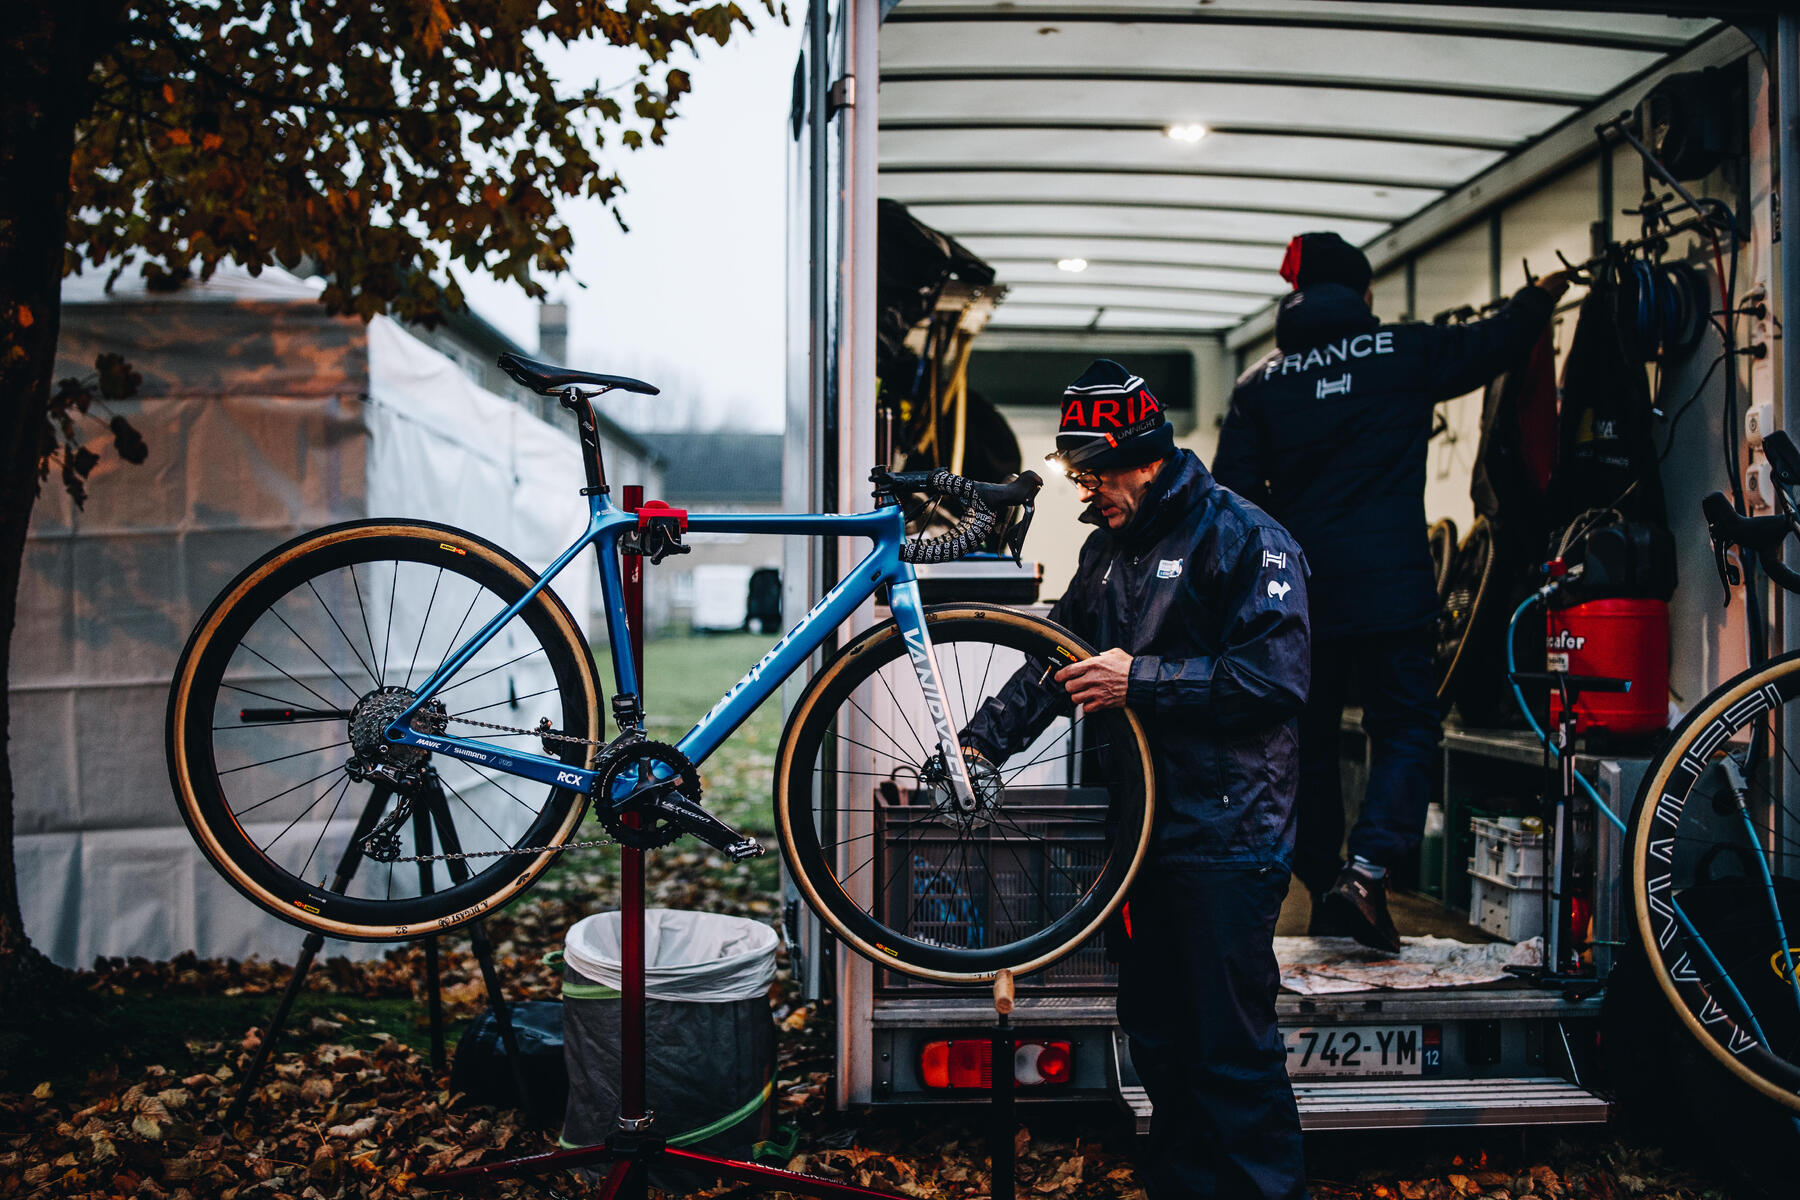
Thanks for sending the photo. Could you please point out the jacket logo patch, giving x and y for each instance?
(1276, 559)
(1333, 387)
(1279, 590)
(1168, 568)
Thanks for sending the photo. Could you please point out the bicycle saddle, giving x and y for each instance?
(547, 380)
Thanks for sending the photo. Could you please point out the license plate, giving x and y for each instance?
(1369, 1051)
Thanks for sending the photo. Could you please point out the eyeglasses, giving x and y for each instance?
(1086, 480)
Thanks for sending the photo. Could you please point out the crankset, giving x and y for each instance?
(655, 783)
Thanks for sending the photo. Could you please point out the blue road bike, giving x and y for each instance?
(388, 728)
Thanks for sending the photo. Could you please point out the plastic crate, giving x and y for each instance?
(1513, 913)
(1017, 875)
(1507, 853)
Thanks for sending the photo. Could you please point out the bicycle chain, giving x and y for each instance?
(468, 854)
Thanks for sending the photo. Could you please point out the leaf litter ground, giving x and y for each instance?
(128, 1099)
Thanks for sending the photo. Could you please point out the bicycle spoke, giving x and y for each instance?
(297, 819)
(463, 712)
(450, 647)
(387, 641)
(381, 677)
(284, 703)
(413, 662)
(329, 817)
(243, 812)
(899, 714)
(297, 754)
(498, 840)
(471, 679)
(872, 750)
(878, 727)
(502, 787)
(291, 679)
(333, 617)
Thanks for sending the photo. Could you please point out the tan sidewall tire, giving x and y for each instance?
(190, 804)
(784, 768)
(1653, 786)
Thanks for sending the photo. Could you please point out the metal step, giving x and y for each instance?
(1424, 1103)
(1403, 1103)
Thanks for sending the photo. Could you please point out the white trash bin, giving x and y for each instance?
(709, 1037)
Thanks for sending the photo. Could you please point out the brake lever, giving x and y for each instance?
(1015, 533)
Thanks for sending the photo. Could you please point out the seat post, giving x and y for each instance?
(582, 404)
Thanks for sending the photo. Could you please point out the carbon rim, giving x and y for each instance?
(314, 627)
(932, 894)
(1710, 876)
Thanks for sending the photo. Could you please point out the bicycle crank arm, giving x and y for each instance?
(689, 817)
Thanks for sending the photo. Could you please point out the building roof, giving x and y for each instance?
(728, 467)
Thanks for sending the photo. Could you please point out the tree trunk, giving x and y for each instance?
(48, 52)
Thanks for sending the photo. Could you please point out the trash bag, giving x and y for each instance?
(709, 1038)
(481, 1072)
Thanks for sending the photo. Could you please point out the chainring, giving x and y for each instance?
(652, 830)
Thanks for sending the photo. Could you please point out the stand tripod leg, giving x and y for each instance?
(309, 950)
(434, 996)
(1000, 1072)
(439, 809)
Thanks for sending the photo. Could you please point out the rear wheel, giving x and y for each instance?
(279, 701)
(878, 847)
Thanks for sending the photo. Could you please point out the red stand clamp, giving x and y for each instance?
(651, 511)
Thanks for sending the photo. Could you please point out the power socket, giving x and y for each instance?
(1759, 421)
(1759, 487)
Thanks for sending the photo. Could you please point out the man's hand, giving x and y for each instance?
(1557, 282)
(1098, 682)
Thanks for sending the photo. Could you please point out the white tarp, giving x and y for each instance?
(265, 417)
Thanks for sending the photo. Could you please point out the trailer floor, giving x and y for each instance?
(1414, 915)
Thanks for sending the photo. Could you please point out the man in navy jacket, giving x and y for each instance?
(1198, 601)
(1328, 433)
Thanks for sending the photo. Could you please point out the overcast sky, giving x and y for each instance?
(691, 298)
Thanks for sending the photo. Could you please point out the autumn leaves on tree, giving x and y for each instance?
(375, 145)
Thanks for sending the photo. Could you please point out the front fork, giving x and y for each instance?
(909, 615)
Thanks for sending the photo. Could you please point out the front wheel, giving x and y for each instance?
(1714, 867)
(879, 849)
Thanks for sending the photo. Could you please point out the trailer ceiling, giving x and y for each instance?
(1036, 132)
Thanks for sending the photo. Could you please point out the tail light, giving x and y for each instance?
(970, 1064)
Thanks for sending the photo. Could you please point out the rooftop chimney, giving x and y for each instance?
(553, 333)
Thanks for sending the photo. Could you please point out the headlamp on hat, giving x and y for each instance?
(1110, 421)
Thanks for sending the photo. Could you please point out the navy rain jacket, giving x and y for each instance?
(1329, 434)
(1208, 595)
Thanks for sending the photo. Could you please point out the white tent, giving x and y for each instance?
(265, 417)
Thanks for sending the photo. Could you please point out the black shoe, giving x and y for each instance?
(1326, 920)
(1358, 901)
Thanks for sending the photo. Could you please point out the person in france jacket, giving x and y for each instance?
(1328, 432)
(1197, 601)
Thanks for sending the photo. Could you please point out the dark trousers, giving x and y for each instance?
(1197, 984)
(1398, 688)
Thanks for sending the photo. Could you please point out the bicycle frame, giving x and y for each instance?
(607, 523)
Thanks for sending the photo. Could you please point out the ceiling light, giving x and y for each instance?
(1072, 264)
(1186, 133)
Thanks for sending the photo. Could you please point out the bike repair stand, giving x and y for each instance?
(635, 1146)
(430, 809)
(1553, 971)
(1003, 1124)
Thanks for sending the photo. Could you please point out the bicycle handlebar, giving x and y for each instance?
(1762, 536)
(983, 500)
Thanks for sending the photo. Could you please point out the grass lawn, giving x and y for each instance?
(683, 678)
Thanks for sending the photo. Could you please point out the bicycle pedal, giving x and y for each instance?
(739, 851)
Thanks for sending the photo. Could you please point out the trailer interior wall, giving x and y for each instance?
(1556, 215)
